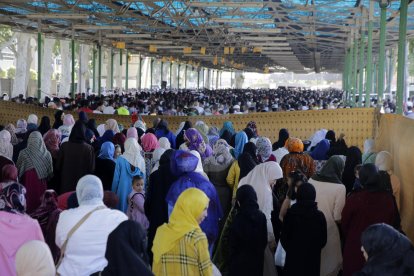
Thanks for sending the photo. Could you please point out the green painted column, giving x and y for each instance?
(401, 55)
(93, 69)
(361, 68)
(126, 70)
(381, 64)
(345, 84)
(151, 71)
(351, 72)
(390, 72)
(72, 87)
(178, 76)
(162, 67)
(185, 76)
(140, 72)
(198, 79)
(120, 57)
(374, 76)
(355, 71)
(171, 74)
(368, 88)
(99, 68)
(112, 69)
(39, 65)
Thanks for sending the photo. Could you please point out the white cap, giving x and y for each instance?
(236, 106)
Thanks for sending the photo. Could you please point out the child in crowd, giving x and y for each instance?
(136, 201)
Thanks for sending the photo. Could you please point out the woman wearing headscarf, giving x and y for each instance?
(280, 143)
(34, 258)
(93, 233)
(252, 126)
(44, 125)
(112, 125)
(163, 131)
(194, 141)
(264, 150)
(203, 129)
(353, 158)
(66, 128)
(320, 152)
(21, 128)
(35, 168)
(9, 173)
(52, 140)
(105, 165)
(12, 130)
(248, 235)
(303, 234)
(369, 206)
(107, 136)
(47, 214)
(389, 181)
(126, 251)
(156, 156)
(132, 133)
(6, 148)
(182, 238)
(240, 141)
(227, 125)
(149, 142)
(369, 154)
(318, 136)
(119, 139)
(58, 119)
(387, 252)
(91, 124)
(217, 167)
(213, 136)
(156, 208)
(199, 168)
(76, 158)
(337, 146)
(330, 195)
(226, 136)
(180, 135)
(17, 228)
(128, 165)
(32, 122)
(183, 165)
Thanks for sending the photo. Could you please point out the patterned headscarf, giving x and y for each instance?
(10, 128)
(221, 154)
(12, 198)
(52, 141)
(264, 148)
(195, 140)
(252, 126)
(35, 156)
(294, 145)
(6, 148)
(203, 129)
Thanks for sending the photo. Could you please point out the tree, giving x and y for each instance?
(8, 39)
(11, 73)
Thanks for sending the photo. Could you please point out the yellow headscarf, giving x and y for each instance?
(188, 208)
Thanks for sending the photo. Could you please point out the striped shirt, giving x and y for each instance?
(189, 257)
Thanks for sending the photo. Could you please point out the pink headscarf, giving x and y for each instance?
(68, 120)
(149, 142)
(52, 141)
(132, 133)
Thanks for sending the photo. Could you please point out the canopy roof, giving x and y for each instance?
(293, 35)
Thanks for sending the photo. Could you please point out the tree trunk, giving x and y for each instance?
(22, 65)
(65, 80)
(47, 67)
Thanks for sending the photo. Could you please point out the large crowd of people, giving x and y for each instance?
(78, 198)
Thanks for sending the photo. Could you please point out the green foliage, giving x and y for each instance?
(11, 73)
(56, 48)
(5, 33)
(3, 74)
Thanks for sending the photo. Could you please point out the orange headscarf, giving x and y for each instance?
(294, 145)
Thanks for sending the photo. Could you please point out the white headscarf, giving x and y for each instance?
(369, 145)
(133, 154)
(6, 148)
(156, 156)
(180, 127)
(199, 169)
(34, 258)
(112, 124)
(164, 143)
(101, 129)
(89, 190)
(259, 178)
(317, 137)
(32, 119)
(384, 161)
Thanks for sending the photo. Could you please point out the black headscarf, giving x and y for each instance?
(180, 137)
(44, 125)
(246, 199)
(83, 117)
(283, 136)
(250, 133)
(92, 126)
(389, 252)
(331, 171)
(226, 136)
(248, 159)
(369, 177)
(126, 251)
(78, 133)
(163, 126)
(330, 135)
(353, 158)
(58, 119)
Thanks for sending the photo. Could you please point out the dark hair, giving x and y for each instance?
(298, 178)
(136, 178)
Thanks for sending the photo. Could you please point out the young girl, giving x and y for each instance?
(136, 201)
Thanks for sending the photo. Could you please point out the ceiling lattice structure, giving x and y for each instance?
(293, 35)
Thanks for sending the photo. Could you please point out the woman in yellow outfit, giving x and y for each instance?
(180, 247)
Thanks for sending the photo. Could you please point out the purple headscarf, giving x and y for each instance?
(196, 142)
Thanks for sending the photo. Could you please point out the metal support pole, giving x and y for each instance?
(171, 74)
(401, 55)
(361, 65)
(345, 83)
(120, 57)
(198, 79)
(39, 64)
(390, 72)
(140, 72)
(112, 69)
(126, 70)
(151, 71)
(355, 69)
(162, 67)
(178, 76)
(99, 68)
(374, 76)
(93, 69)
(185, 76)
(351, 73)
(72, 87)
(368, 89)
(381, 64)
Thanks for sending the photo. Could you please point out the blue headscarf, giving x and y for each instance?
(107, 151)
(320, 151)
(241, 140)
(227, 126)
(183, 165)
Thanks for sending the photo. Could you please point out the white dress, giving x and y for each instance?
(331, 200)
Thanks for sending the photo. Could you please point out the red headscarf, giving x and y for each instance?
(9, 173)
(149, 142)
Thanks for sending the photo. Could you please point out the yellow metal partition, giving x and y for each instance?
(357, 124)
(396, 135)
